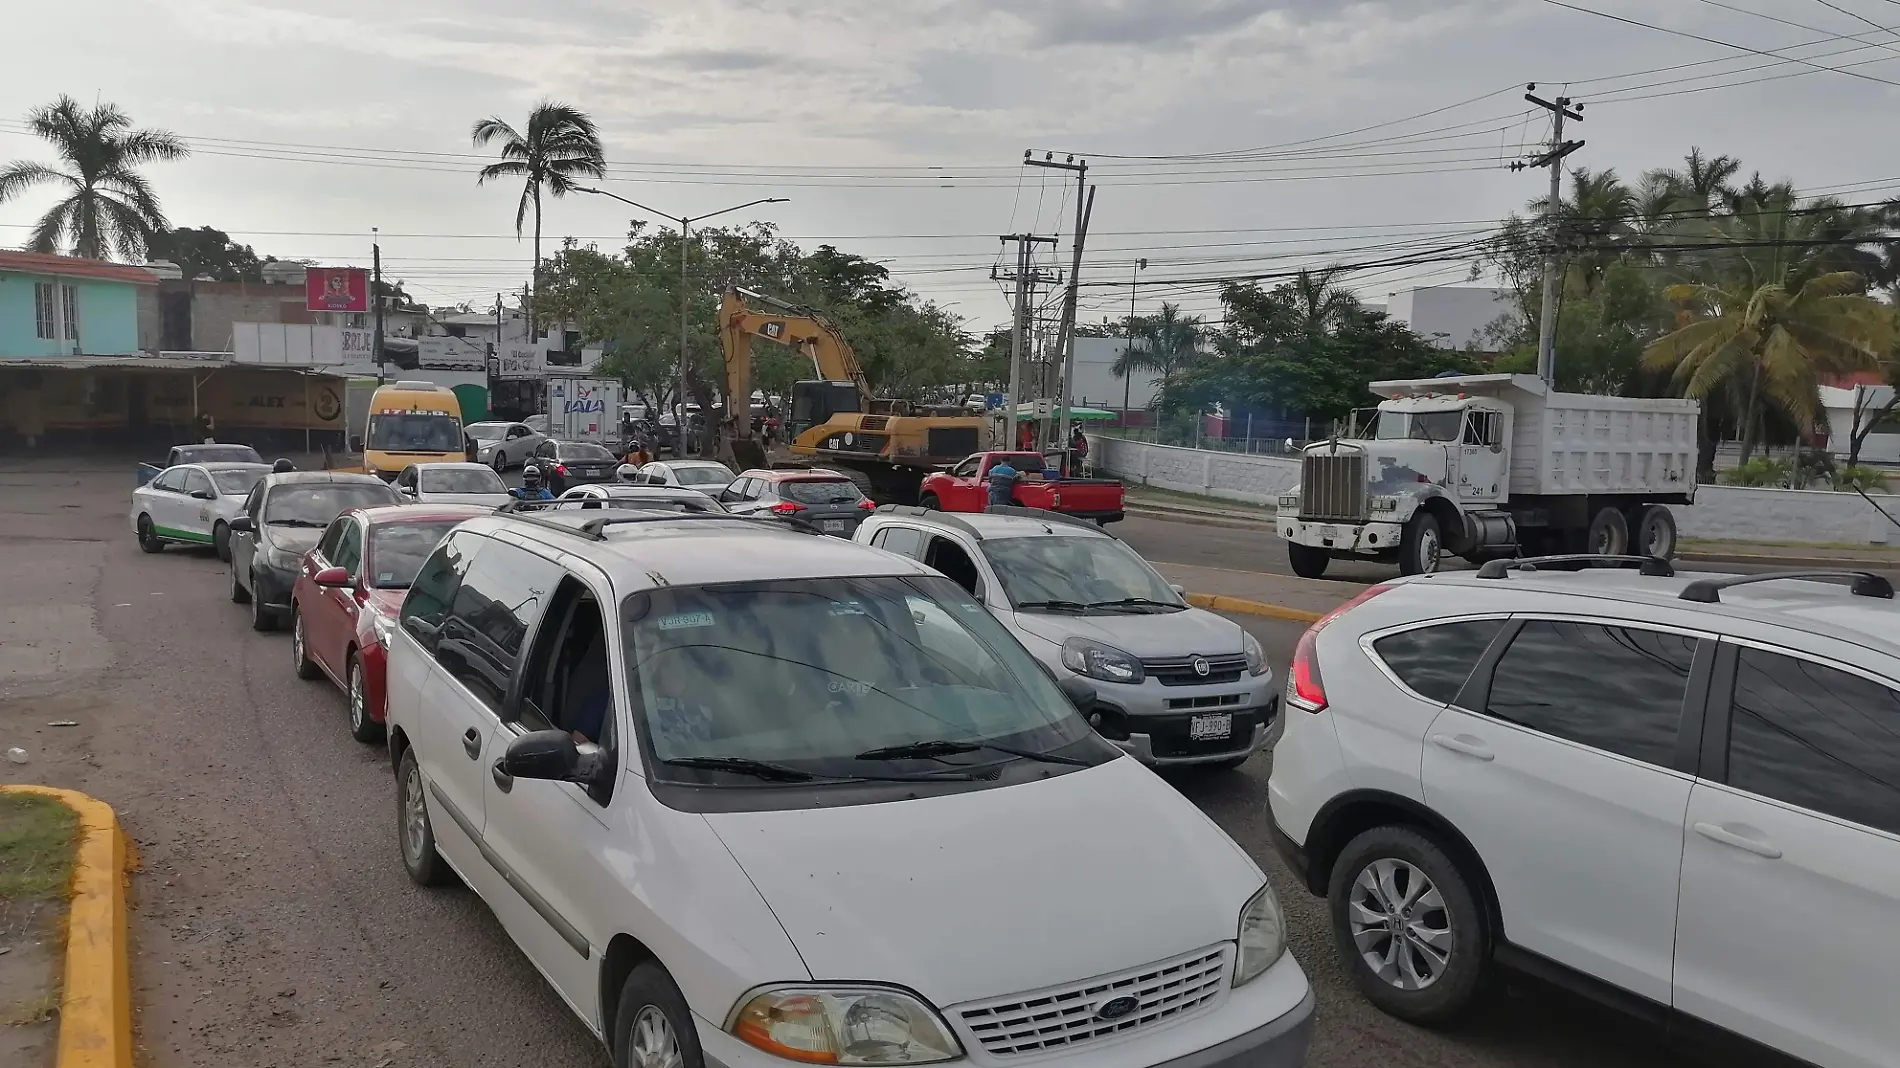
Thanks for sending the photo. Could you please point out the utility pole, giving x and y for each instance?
(1128, 369)
(1025, 278)
(376, 295)
(1560, 109)
(1065, 333)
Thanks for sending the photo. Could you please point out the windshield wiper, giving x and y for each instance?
(765, 769)
(945, 747)
(1138, 602)
(294, 523)
(1060, 606)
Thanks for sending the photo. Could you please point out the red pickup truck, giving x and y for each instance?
(966, 488)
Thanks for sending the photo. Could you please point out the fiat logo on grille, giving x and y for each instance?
(1201, 666)
(1116, 1008)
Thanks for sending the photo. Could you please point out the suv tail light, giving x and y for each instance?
(787, 508)
(1304, 688)
(867, 504)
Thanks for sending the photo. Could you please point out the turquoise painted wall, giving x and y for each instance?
(108, 317)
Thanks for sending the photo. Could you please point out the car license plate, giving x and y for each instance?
(833, 526)
(1329, 532)
(1211, 726)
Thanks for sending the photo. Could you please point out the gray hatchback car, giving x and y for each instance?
(1174, 684)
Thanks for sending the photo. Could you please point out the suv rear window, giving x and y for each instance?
(819, 491)
(1617, 689)
(581, 450)
(1434, 661)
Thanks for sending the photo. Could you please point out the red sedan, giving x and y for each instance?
(349, 591)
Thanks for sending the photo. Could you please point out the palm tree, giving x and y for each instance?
(1131, 362)
(1174, 341)
(1317, 302)
(1773, 339)
(109, 206)
(560, 145)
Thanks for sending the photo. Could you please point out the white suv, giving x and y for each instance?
(751, 797)
(1678, 792)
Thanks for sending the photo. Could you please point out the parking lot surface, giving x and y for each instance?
(272, 921)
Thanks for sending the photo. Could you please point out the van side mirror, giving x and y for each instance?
(550, 755)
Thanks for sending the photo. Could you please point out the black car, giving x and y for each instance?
(573, 463)
(283, 518)
(827, 500)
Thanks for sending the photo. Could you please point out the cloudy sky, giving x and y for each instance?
(1228, 136)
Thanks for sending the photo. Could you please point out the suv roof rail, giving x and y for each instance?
(595, 529)
(1649, 566)
(948, 519)
(1046, 516)
(685, 500)
(1860, 584)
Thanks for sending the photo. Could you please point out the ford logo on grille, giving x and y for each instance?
(1116, 1008)
(1201, 666)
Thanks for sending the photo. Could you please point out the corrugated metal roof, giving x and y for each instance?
(74, 267)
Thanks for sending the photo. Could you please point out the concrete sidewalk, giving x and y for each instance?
(1296, 599)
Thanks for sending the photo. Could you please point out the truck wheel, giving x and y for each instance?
(929, 500)
(1609, 533)
(1420, 545)
(1655, 532)
(1307, 561)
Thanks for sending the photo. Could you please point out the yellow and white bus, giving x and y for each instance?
(411, 423)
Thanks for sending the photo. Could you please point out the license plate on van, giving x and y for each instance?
(1211, 726)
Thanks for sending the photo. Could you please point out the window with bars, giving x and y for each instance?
(48, 315)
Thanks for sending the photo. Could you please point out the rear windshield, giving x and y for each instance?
(819, 491)
(702, 476)
(236, 483)
(461, 480)
(581, 450)
(397, 550)
(317, 503)
(215, 454)
(487, 431)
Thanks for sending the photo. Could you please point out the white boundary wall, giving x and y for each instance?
(1726, 512)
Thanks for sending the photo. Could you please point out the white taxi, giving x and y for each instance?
(193, 504)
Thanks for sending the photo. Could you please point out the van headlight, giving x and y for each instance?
(1098, 661)
(844, 1025)
(1262, 936)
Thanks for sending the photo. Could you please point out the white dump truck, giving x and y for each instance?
(1496, 465)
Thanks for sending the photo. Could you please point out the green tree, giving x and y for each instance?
(559, 145)
(108, 205)
(1774, 340)
(207, 252)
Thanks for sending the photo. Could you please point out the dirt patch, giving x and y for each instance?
(36, 847)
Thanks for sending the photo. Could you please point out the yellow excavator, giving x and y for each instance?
(834, 418)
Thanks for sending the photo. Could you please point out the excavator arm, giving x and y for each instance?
(804, 330)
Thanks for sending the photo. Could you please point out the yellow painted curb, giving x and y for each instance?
(95, 1008)
(1216, 602)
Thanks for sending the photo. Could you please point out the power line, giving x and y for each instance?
(1722, 44)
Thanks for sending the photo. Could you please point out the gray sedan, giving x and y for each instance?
(504, 445)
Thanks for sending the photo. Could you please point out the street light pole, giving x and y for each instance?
(1128, 360)
(686, 225)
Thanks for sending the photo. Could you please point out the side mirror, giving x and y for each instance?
(551, 755)
(1078, 690)
(1180, 591)
(356, 444)
(332, 577)
(204, 495)
(243, 525)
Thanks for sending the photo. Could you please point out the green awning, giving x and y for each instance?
(1076, 415)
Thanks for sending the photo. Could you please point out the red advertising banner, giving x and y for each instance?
(336, 289)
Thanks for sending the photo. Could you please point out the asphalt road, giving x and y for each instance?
(273, 924)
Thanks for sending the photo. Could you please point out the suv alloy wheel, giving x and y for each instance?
(1407, 925)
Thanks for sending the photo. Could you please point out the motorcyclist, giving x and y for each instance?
(531, 487)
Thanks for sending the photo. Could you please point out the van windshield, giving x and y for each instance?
(427, 432)
(815, 675)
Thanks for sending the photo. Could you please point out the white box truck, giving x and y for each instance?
(583, 409)
(1495, 465)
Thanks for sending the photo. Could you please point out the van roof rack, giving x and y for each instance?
(1648, 566)
(1859, 584)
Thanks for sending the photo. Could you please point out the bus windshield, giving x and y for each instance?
(423, 432)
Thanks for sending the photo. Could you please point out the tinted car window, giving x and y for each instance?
(905, 541)
(427, 606)
(701, 476)
(316, 503)
(415, 432)
(1435, 661)
(582, 451)
(1816, 737)
(1617, 689)
(819, 491)
(499, 600)
(349, 548)
(461, 480)
(237, 454)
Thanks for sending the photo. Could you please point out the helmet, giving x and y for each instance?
(530, 476)
(626, 472)
(283, 464)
